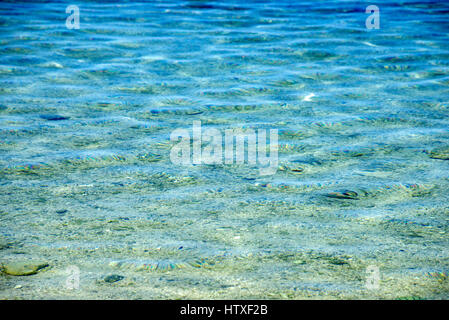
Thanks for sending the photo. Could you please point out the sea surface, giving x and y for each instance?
(357, 209)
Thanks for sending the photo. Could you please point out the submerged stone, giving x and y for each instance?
(440, 153)
(343, 195)
(53, 117)
(113, 278)
(293, 168)
(23, 268)
(4, 245)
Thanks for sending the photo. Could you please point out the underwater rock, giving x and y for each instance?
(294, 169)
(150, 157)
(337, 261)
(193, 112)
(23, 268)
(440, 153)
(113, 278)
(347, 194)
(4, 244)
(53, 117)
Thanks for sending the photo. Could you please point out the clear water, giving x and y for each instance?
(86, 178)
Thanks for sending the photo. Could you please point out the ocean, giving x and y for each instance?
(91, 99)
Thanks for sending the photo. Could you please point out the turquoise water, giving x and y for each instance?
(86, 178)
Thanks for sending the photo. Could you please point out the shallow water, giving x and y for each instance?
(86, 178)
